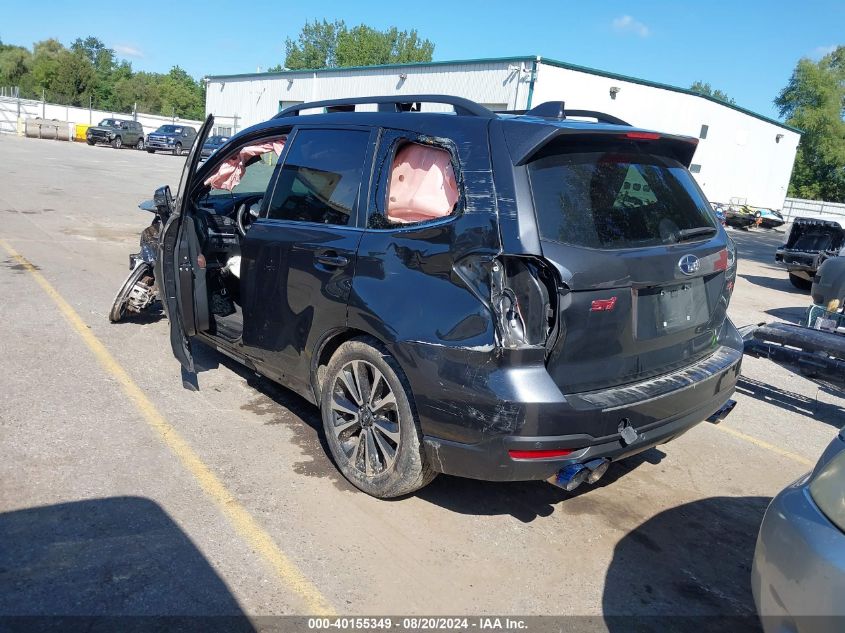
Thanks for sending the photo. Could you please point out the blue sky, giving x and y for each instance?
(746, 48)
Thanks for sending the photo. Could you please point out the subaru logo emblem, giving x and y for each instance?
(689, 264)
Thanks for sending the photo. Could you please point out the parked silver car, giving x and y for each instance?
(798, 576)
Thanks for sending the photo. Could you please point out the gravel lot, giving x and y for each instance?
(100, 515)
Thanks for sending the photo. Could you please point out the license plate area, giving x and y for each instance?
(662, 310)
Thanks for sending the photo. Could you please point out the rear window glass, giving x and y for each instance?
(614, 197)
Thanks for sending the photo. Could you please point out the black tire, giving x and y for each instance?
(409, 469)
(800, 282)
(150, 151)
(140, 144)
(117, 142)
(177, 149)
(118, 308)
(89, 142)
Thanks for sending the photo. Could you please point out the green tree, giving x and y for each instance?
(814, 102)
(141, 88)
(407, 47)
(704, 88)
(332, 44)
(105, 64)
(75, 80)
(15, 63)
(365, 46)
(181, 95)
(88, 69)
(45, 66)
(96, 52)
(315, 46)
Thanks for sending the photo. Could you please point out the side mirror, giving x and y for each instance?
(163, 200)
(148, 205)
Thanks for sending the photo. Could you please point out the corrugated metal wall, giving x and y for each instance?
(742, 156)
(255, 98)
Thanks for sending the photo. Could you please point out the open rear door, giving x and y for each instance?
(181, 281)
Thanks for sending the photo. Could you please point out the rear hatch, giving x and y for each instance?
(646, 269)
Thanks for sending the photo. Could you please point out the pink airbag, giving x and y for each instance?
(422, 184)
(231, 170)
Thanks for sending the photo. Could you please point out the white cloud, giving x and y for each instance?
(627, 24)
(821, 51)
(129, 51)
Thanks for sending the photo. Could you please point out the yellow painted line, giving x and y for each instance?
(763, 444)
(243, 522)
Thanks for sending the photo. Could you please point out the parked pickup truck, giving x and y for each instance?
(809, 243)
(171, 138)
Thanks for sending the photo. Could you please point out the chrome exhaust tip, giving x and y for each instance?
(570, 477)
(723, 412)
(597, 468)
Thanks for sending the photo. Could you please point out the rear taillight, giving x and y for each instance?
(539, 454)
(642, 136)
(520, 293)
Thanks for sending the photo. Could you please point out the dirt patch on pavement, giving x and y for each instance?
(100, 233)
(277, 406)
(17, 267)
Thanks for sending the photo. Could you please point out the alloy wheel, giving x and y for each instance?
(365, 417)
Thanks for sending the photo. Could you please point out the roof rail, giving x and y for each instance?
(557, 110)
(396, 103)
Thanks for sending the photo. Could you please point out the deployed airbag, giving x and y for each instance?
(230, 171)
(422, 184)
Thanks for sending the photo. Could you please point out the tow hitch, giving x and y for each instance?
(723, 412)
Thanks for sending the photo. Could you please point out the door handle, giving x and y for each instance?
(331, 259)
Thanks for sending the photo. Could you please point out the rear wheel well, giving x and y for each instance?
(326, 351)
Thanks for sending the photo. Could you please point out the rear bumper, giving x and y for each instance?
(798, 261)
(491, 460)
(588, 424)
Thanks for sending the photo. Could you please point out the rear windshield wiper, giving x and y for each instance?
(701, 231)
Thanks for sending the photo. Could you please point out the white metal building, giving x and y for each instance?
(742, 156)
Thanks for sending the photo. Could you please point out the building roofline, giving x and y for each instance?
(311, 71)
(524, 58)
(662, 86)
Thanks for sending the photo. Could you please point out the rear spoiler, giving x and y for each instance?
(524, 140)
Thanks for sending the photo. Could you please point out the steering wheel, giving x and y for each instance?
(247, 213)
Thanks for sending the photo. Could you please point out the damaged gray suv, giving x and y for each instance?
(522, 296)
